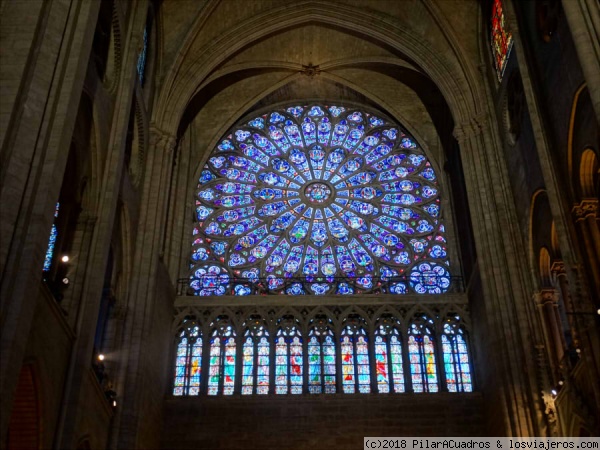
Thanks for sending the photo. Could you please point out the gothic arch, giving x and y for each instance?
(181, 82)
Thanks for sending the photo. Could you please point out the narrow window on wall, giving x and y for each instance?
(51, 242)
(288, 361)
(321, 361)
(422, 356)
(255, 376)
(141, 62)
(188, 362)
(388, 360)
(355, 361)
(456, 358)
(222, 361)
(501, 39)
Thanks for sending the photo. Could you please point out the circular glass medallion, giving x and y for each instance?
(317, 192)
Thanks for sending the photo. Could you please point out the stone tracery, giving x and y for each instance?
(318, 200)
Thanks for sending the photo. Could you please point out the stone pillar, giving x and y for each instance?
(559, 273)
(547, 301)
(34, 159)
(502, 263)
(584, 215)
(583, 17)
(144, 298)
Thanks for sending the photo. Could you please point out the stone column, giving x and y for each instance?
(547, 301)
(502, 263)
(583, 17)
(560, 274)
(585, 219)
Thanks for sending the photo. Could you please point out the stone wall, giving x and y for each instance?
(336, 421)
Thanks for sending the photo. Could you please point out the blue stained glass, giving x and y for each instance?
(375, 121)
(141, 62)
(309, 129)
(51, 242)
(339, 133)
(226, 145)
(265, 144)
(295, 289)
(279, 138)
(259, 123)
(295, 110)
(324, 130)
(347, 184)
(242, 135)
(276, 117)
(252, 152)
(293, 134)
(354, 137)
(316, 111)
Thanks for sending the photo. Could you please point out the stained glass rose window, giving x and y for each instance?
(318, 200)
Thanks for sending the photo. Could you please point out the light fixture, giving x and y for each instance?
(65, 280)
(561, 382)
(65, 259)
(114, 403)
(554, 393)
(100, 357)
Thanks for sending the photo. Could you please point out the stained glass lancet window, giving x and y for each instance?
(318, 200)
(421, 354)
(188, 363)
(388, 359)
(141, 62)
(255, 368)
(501, 39)
(222, 361)
(321, 359)
(288, 360)
(456, 357)
(51, 242)
(356, 375)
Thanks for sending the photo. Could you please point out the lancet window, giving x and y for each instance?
(356, 373)
(256, 359)
(456, 357)
(388, 357)
(188, 363)
(321, 358)
(501, 39)
(288, 359)
(222, 360)
(421, 353)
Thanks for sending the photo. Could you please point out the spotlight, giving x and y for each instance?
(65, 259)
(65, 280)
(561, 382)
(114, 403)
(554, 393)
(100, 357)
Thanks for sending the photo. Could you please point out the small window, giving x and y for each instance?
(501, 39)
(222, 361)
(388, 360)
(456, 358)
(421, 354)
(355, 360)
(288, 360)
(51, 242)
(255, 368)
(188, 363)
(321, 361)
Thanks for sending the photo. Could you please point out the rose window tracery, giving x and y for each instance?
(318, 200)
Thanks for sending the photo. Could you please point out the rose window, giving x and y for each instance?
(318, 200)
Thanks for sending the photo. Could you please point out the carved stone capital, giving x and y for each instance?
(558, 268)
(470, 128)
(587, 207)
(161, 138)
(546, 296)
